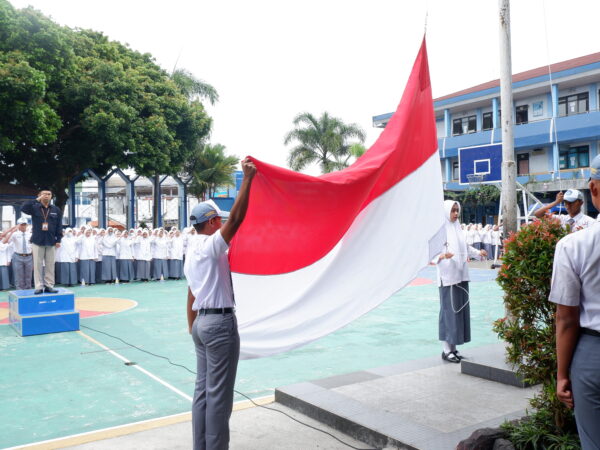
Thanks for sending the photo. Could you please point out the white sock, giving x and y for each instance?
(447, 347)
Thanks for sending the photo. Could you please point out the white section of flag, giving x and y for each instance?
(390, 241)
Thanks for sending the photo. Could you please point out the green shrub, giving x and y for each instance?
(529, 331)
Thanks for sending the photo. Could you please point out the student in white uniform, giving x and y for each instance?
(21, 263)
(100, 233)
(108, 244)
(575, 219)
(453, 283)
(87, 257)
(486, 240)
(67, 257)
(575, 288)
(5, 258)
(211, 317)
(176, 255)
(125, 257)
(144, 256)
(160, 256)
(496, 242)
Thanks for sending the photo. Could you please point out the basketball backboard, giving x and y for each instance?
(483, 160)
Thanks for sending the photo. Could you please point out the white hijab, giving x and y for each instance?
(454, 270)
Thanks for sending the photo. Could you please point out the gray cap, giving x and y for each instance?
(21, 221)
(595, 168)
(202, 212)
(572, 195)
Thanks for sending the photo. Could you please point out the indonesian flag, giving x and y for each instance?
(315, 253)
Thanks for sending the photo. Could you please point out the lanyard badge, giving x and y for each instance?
(45, 222)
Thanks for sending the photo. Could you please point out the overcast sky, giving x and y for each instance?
(270, 60)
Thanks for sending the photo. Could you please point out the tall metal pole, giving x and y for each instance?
(509, 170)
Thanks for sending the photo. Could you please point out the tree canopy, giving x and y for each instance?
(210, 168)
(325, 141)
(73, 99)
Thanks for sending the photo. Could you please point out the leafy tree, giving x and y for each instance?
(210, 168)
(324, 141)
(75, 100)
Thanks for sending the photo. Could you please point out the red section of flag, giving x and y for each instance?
(293, 219)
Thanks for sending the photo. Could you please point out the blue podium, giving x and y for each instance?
(31, 314)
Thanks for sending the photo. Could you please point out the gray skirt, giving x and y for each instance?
(160, 267)
(4, 278)
(87, 271)
(142, 269)
(175, 268)
(109, 268)
(67, 273)
(455, 328)
(125, 267)
(98, 272)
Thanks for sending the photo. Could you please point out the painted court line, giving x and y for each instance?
(138, 367)
(130, 428)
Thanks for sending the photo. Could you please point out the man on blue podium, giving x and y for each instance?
(46, 221)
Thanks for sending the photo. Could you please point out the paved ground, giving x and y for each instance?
(251, 429)
(426, 404)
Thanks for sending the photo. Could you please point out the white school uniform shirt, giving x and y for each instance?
(98, 239)
(108, 244)
(144, 249)
(124, 248)
(5, 253)
(16, 239)
(176, 248)
(486, 236)
(496, 237)
(579, 222)
(68, 249)
(160, 248)
(454, 270)
(207, 272)
(471, 235)
(575, 275)
(87, 247)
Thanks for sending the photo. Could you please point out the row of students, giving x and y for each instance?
(488, 238)
(94, 255)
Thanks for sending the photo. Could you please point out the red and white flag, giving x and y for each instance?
(315, 253)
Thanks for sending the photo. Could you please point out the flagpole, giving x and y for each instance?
(509, 187)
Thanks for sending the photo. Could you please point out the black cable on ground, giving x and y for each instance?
(237, 392)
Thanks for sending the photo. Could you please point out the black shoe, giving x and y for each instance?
(38, 291)
(450, 357)
(50, 290)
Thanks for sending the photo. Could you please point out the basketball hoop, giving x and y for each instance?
(475, 178)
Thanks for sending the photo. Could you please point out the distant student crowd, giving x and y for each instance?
(96, 255)
(488, 238)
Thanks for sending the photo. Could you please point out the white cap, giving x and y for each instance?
(572, 195)
(21, 220)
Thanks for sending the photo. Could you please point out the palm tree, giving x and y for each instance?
(193, 87)
(323, 141)
(209, 169)
(355, 151)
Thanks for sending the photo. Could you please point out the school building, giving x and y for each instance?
(557, 128)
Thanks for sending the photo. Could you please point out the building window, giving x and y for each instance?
(573, 104)
(522, 114)
(523, 164)
(488, 121)
(575, 157)
(464, 125)
(455, 170)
